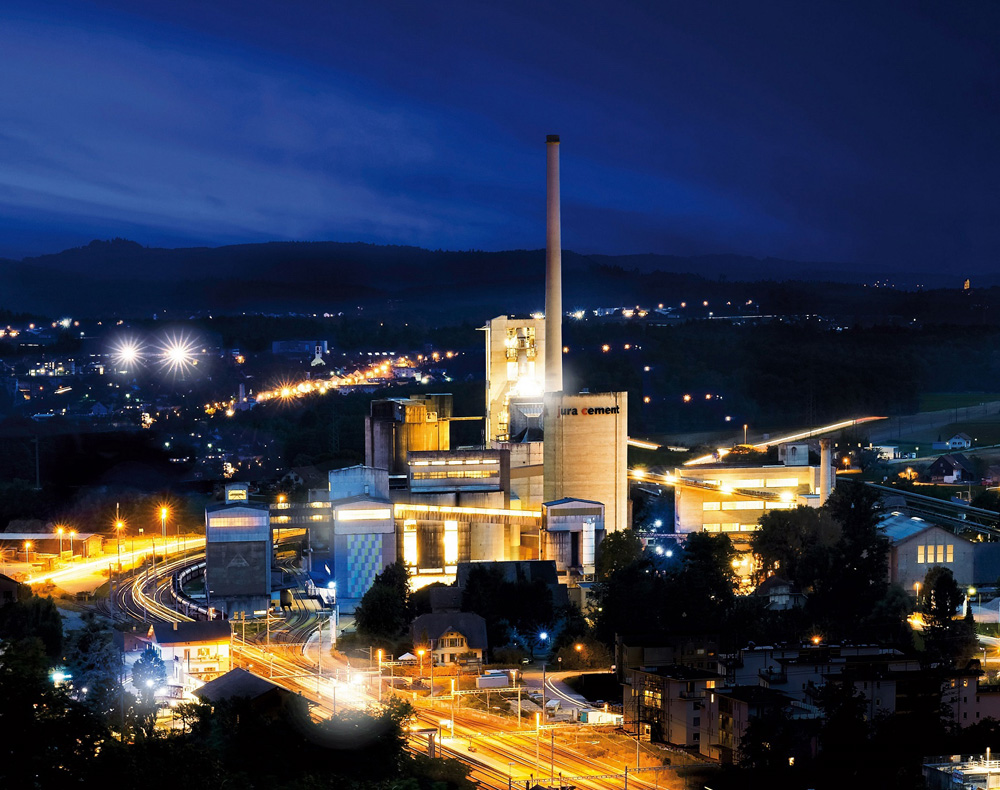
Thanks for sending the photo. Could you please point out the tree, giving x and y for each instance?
(384, 611)
(706, 582)
(855, 569)
(617, 551)
(49, 740)
(148, 676)
(794, 543)
(945, 638)
(95, 665)
(33, 616)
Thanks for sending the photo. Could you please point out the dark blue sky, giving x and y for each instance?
(856, 131)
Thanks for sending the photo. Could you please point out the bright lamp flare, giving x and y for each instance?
(127, 352)
(178, 354)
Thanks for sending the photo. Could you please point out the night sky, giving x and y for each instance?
(855, 131)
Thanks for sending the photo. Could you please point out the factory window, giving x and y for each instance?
(237, 521)
(457, 474)
(951, 553)
(920, 554)
(711, 527)
(940, 553)
(364, 515)
(281, 519)
(450, 542)
(779, 505)
(730, 527)
(410, 542)
(783, 482)
(710, 505)
(751, 504)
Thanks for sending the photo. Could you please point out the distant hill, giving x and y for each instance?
(125, 278)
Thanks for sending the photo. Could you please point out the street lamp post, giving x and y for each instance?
(163, 523)
(60, 531)
(119, 526)
(542, 637)
(72, 534)
(27, 552)
(538, 725)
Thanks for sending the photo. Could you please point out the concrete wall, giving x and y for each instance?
(358, 481)
(585, 451)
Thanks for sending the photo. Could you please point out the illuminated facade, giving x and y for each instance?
(434, 539)
(238, 554)
(585, 454)
(728, 498)
(459, 474)
(515, 367)
(397, 426)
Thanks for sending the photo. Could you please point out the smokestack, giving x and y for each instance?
(553, 270)
(825, 471)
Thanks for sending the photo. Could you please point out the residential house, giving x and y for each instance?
(728, 712)
(8, 589)
(952, 468)
(194, 651)
(665, 703)
(960, 441)
(780, 594)
(700, 651)
(451, 637)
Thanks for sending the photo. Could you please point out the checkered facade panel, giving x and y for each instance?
(364, 561)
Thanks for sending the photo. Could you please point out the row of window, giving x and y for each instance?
(464, 474)
(730, 527)
(926, 553)
(747, 504)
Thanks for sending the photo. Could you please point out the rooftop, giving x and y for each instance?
(235, 683)
(196, 631)
(680, 672)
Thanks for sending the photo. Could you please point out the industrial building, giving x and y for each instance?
(515, 368)
(585, 453)
(238, 549)
(548, 481)
(730, 498)
(397, 426)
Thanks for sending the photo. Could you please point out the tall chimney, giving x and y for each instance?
(825, 470)
(553, 270)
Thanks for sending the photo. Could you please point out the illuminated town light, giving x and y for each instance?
(127, 353)
(177, 354)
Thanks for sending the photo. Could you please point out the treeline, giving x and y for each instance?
(779, 374)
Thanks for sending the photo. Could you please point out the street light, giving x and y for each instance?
(163, 522)
(72, 534)
(60, 531)
(27, 551)
(119, 526)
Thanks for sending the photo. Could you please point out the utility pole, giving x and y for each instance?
(552, 756)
